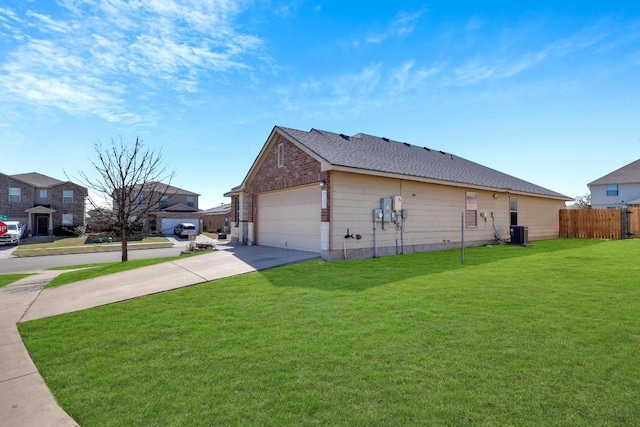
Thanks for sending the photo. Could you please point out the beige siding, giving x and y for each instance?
(434, 213)
(541, 216)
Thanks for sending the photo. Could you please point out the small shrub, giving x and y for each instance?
(66, 231)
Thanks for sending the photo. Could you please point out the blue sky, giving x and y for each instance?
(545, 91)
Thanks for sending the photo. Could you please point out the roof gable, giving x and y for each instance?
(629, 174)
(363, 152)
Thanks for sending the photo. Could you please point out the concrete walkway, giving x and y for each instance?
(25, 399)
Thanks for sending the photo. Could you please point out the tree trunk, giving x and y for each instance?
(123, 236)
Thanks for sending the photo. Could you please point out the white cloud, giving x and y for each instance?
(99, 52)
(49, 23)
(404, 23)
(354, 93)
(502, 63)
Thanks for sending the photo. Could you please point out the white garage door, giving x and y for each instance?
(169, 223)
(290, 219)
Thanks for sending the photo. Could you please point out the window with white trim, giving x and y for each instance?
(471, 209)
(612, 190)
(67, 196)
(15, 194)
(513, 211)
(67, 219)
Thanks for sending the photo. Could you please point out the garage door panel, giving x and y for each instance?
(290, 219)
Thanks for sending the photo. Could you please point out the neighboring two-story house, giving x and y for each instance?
(165, 206)
(43, 203)
(618, 189)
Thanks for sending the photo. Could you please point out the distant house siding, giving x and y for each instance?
(626, 193)
(215, 222)
(76, 209)
(15, 210)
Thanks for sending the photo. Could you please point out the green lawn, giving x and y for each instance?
(546, 335)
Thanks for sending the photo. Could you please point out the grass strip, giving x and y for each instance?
(7, 279)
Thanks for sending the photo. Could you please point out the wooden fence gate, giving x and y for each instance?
(613, 224)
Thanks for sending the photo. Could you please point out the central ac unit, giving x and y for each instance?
(519, 235)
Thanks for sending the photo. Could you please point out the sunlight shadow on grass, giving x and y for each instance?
(337, 275)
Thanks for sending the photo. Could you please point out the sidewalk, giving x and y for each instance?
(25, 399)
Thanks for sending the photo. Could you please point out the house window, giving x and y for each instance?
(43, 193)
(280, 155)
(67, 219)
(513, 210)
(15, 194)
(471, 217)
(190, 201)
(67, 196)
(164, 201)
(612, 190)
(139, 199)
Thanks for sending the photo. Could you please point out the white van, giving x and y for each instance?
(16, 231)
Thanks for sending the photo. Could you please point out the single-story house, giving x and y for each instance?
(618, 189)
(217, 219)
(361, 196)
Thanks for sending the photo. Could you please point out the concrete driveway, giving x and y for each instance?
(25, 399)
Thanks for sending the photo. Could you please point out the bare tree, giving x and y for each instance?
(583, 202)
(134, 178)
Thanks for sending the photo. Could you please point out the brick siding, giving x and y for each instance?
(298, 169)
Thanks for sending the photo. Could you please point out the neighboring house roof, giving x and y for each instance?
(222, 209)
(160, 187)
(37, 179)
(629, 174)
(362, 153)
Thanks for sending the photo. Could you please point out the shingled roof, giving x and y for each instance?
(372, 153)
(37, 179)
(629, 174)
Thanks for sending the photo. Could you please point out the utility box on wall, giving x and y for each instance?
(377, 215)
(397, 203)
(385, 205)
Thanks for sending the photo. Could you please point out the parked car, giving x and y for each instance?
(185, 229)
(16, 231)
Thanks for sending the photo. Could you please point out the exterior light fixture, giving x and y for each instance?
(323, 183)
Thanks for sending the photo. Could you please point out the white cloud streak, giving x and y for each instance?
(404, 23)
(94, 54)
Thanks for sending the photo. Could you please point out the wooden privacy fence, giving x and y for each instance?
(613, 224)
